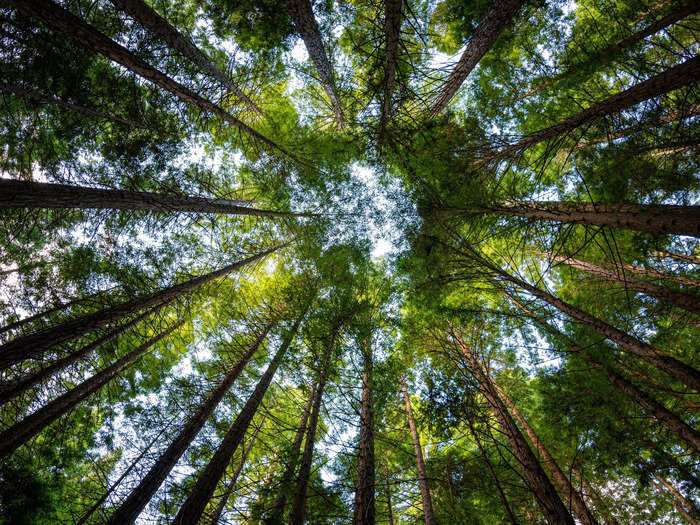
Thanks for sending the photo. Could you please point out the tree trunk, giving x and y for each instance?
(306, 25)
(23, 194)
(501, 494)
(676, 504)
(10, 390)
(21, 432)
(275, 513)
(33, 346)
(676, 77)
(84, 34)
(660, 293)
(553, 509)
(159, 26)
(135, 502)
(664, 416)
(392, 29)
(690, 404)
(426, 499)
(679, 256)
(623, 44)
(496, 19)
(203, 490)
(685, 373)
(654, 274)
(389, 510)
(667, 219)
(20, 91)
(676, 494)
(296, 515)
(364, 488)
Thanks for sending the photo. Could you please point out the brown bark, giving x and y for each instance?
(135, 502)
(193, 507)
(661, 293)
(18, 434)
(549, 501)
(389, 510)
(426, 499)
(675, 504)
(678, 256)
(34, 345)
(674, 78)
(496, 19)
(159, 26)
(392, 28)
(364, 487)
(296, 515)
(24, 194)
(306, 25)
(83, 33)
(10, 390)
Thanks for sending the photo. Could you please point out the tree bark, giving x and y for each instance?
(426, 499)
(296, 515)
(159, 26)
(674, 78)
(34, 345)
(496, 19)
(24, 194)
(305, 23)
(392, 29)
(660, 293)
(676, 504)
(364, 487)
(21, 432)
(10, 390)
(193, 507)
(554, 511)
(679, 256)
(84, 34)
(135, 502)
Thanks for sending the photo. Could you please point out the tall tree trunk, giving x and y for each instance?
(24, 194)
(392, 29)
(10, 390)
(275, 513)
(21, 91)
(203, 490)
(661, 275)
(676, 504)
(364, 487)
(685, 373)
(426, 499)
(616, 48)
(159, 26)
(673, 78)
(389, 510)
(496, 19)
(21, 432)
(84, 34)
(679, 256)
(664, 416)
(660, 293)
(501, 494)
(550, 503)
(137, 499)
(668, 219)
(296, 515)
(679, 497)
(306, 25)
(34, 345)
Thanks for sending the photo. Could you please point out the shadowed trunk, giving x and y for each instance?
(135, 502)
(21, 432)
(426, 499)
(392, 29)
(33, 346)
(496, 19)
(364, 487)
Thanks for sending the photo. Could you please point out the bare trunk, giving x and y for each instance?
(34, 345)
(83, 33)
(674, 78)
(306, 25)
(426, 499)
(364, 488)
(21, 432)
(676, 504)
(496, 19)
(679, 256)
(159, 26)
(392, 28)
(193, 507)
(661, 293)
(135, 502)
(23, 194)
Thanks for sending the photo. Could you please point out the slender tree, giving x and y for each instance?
(392, 31)
(676, 504)
(679, 256)
(364, 486)
(389, 509)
